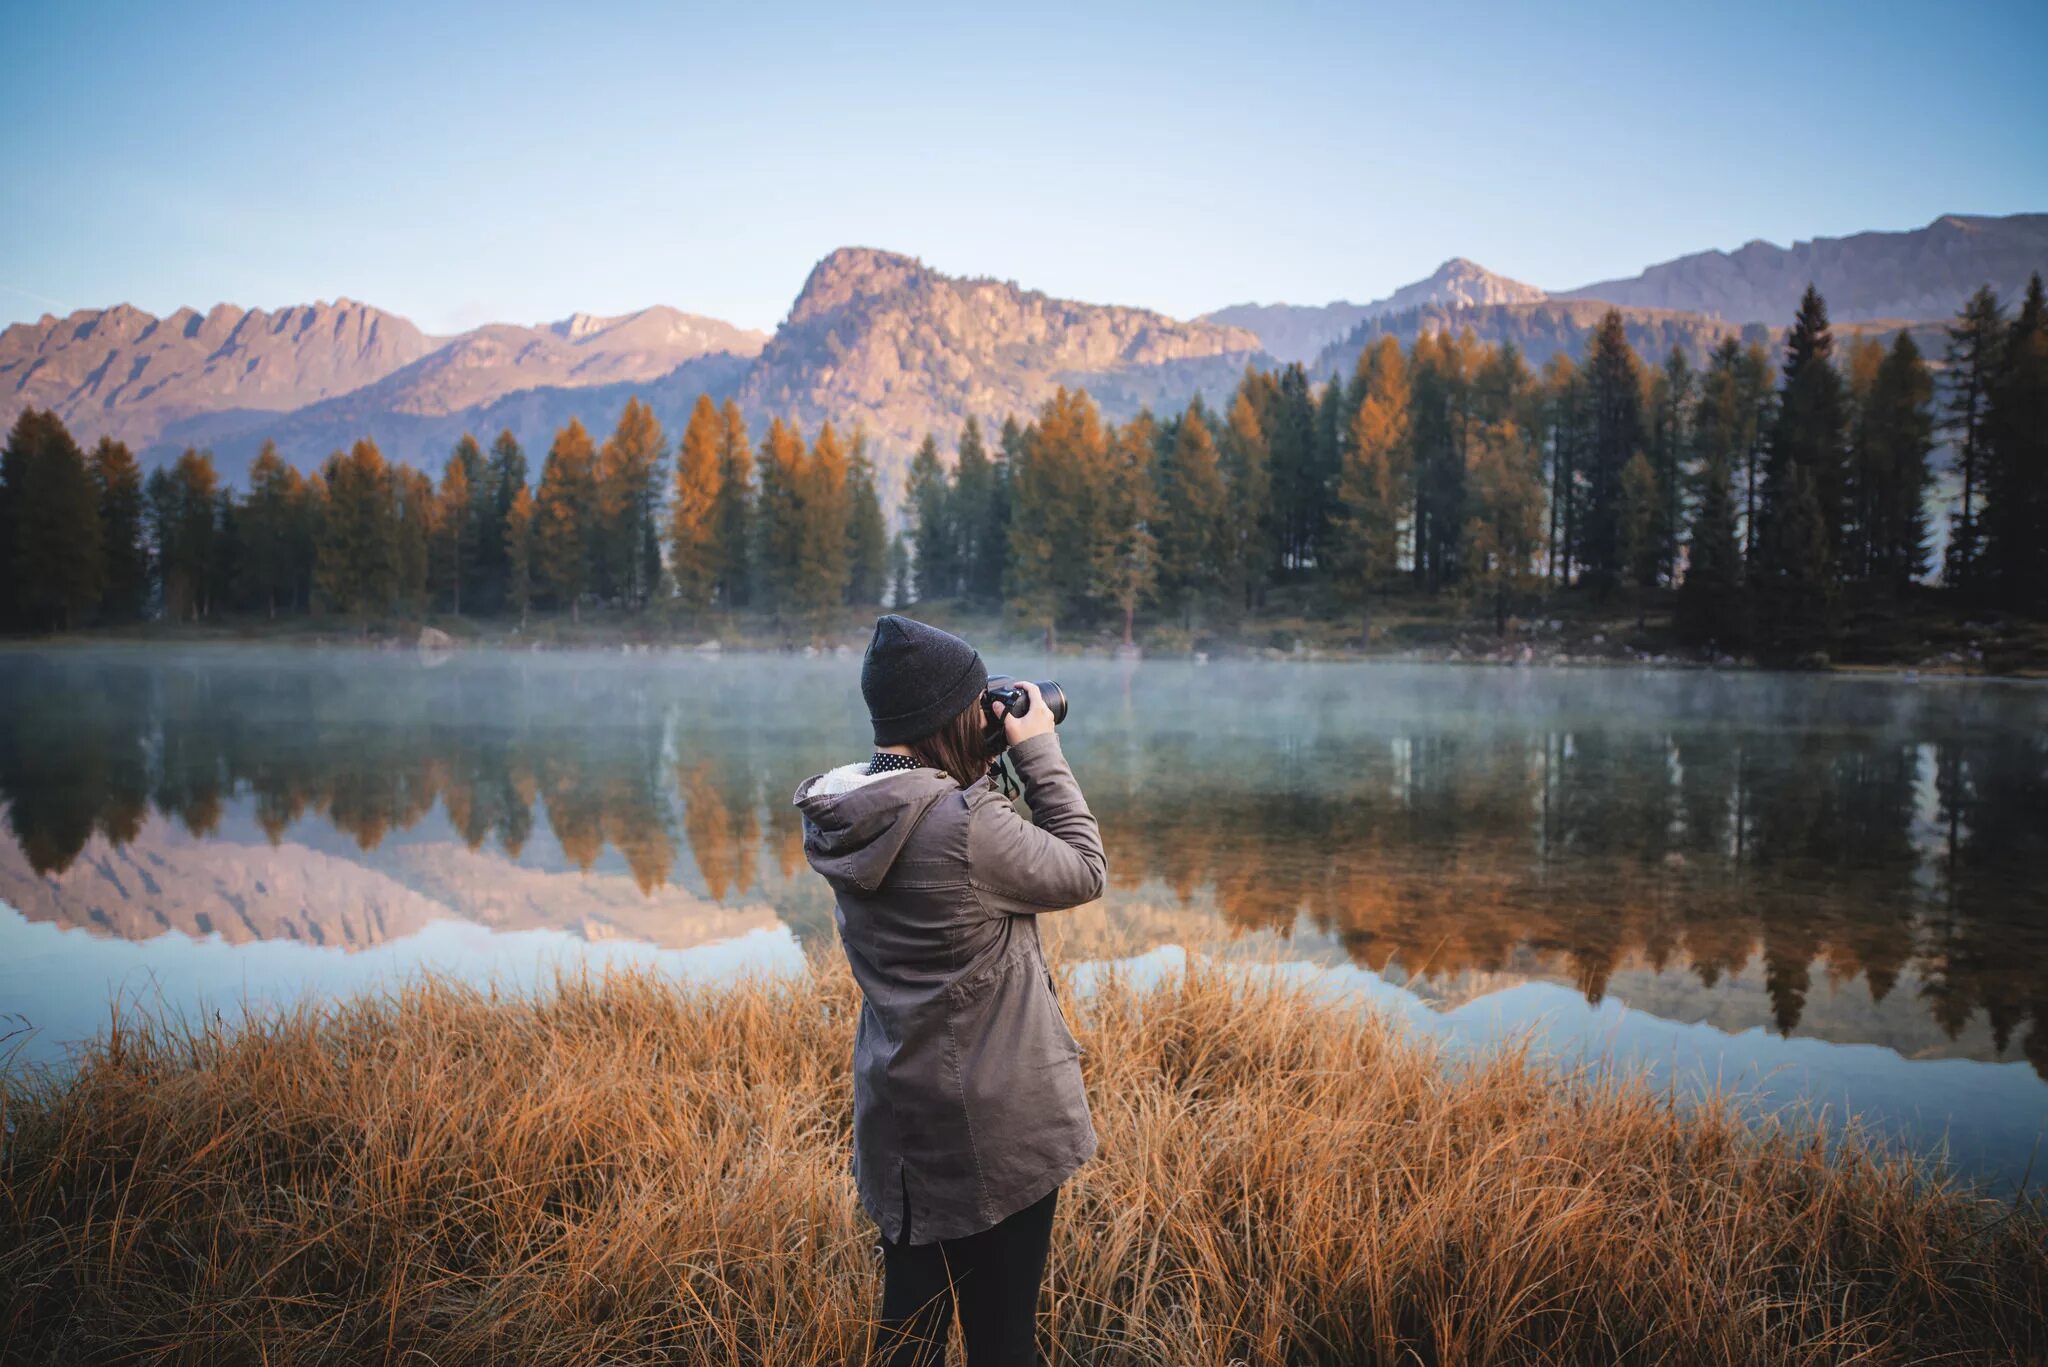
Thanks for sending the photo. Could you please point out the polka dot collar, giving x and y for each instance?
(882, 764)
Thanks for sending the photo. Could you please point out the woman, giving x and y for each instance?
(968, 1108)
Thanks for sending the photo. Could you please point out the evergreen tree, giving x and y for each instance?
(22, 438)
(1709, 609)
(931, 514)
(1504, 504)
(899, 572)
(1760, 409)
(1614, 393)
(565, 511)
(58, 570)
(1125, 561)
(519, 537)
(2015, 549)
(1862, 481)
(629, 478)
(1803, 485)
(1196, 532)
(979, 531)
(778, 528)
(1976, 347)
(118, 481)
(693, 511)
(824, 512)
(1248, 475)
(867, 534)
(1290, 426)
(478, 516)
(418, 512)
(185, 511)
(454, 548)
(358, 569)
(1373, 486)
(506, 477)
(1439, 387)
(1563, 411)
(734, 516)
(1637, 517)
(1895, 471)
(268, 528)
(1670, 407)
(1054, 523)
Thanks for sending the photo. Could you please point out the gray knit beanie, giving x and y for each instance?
(917, 678)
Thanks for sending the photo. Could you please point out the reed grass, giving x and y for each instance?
(621, 1170)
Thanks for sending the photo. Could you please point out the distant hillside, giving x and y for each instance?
(128, 374)
(1922, 275)
(1541, 330)
(882, 338)
(1297, 332)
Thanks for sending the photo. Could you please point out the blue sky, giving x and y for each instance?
(462, 165)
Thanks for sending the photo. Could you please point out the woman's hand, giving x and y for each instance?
(1036, 721)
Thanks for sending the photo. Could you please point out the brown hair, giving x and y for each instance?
(957, 748)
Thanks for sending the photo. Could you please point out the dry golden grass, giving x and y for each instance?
(628, 1172)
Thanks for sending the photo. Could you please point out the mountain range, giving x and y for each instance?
(882, 341)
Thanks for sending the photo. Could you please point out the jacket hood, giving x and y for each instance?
(856, 823)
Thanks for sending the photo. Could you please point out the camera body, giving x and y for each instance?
(1016, 700)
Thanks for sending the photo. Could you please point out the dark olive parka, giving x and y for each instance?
(967, 1096)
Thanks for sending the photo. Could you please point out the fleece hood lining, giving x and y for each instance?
(846, 778)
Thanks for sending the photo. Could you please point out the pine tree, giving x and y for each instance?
(358, 567)
(1504, 505)
(1863, 482)
(118, 481)
(734, 517)
(2015, 550)
(58, 570)
(1563, 410)
(1614, 435)
(978, 531)
(1440, 374)
(506, 477)
(1976, 347)
(477, 517)
(1896, 471)
(629, 476)
(932, 527)
(1709, 609)
(778, 530)
(1248, 473)
(519, 537)
(1374, 485)
(267, 528)
(14, 457)
(418, 513)
(824, 512)
(693, 511)
(454, 548)
(867, 534)
(1054, 522)
(1124, 566)
(1196, 532)
(565, 511)
(185, 511)
(1760, 409)
(1671, 415)
(899, 572)
(1637, 517)
(1803, 485)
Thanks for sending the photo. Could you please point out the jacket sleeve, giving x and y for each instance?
(1049, 863)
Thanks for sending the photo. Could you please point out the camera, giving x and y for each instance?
(1016, 701)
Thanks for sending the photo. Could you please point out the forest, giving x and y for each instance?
(1764, 497)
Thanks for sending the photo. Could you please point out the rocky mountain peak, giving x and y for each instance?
(851, 273)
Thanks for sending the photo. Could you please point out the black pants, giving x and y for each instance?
(993, 1276)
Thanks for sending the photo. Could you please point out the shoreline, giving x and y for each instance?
(629, 1170)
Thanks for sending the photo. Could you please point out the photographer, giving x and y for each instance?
(969, 1110)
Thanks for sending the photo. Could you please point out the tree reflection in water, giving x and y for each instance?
(1443, 821)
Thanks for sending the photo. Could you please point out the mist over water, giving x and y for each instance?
(1817, 889)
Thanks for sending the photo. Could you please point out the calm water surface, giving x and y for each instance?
(1812, 890)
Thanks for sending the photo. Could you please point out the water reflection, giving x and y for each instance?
(1437, 825)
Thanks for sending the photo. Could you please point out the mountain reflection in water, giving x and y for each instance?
(1452, 829)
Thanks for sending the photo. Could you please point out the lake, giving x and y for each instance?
(1816, 891)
